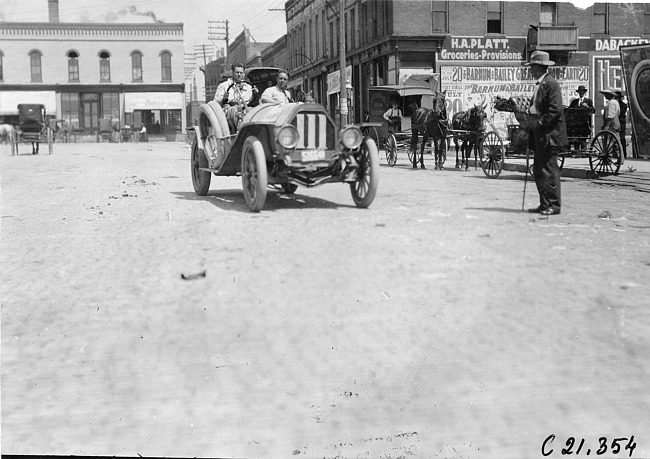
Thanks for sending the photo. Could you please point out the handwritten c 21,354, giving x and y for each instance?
(573, 446)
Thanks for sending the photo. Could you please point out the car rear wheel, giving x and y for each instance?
(200, 179)
(254, 174)
(365, 188)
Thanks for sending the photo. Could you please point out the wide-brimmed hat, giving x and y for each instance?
(540, 58)
(581, 89)
(609, 91)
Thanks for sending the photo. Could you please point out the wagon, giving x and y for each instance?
(283, 147)
(604, 150)
(32, 128)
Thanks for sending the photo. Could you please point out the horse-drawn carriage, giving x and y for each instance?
(604, 150)
(283, 146)
(32, 128)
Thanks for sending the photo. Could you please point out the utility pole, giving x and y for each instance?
(343, 95)
(218, 30)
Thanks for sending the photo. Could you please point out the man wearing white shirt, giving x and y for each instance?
(278, 94)
(235, 95)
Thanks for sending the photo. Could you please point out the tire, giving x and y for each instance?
(221, 117)
(391, 150)
(200, 179)
(365, 188)
(605, 156)
(492, 154)
(211, 130)
(254, 174)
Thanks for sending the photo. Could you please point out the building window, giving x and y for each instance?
(347, 35)
(35, 66)
(548, 14)
(70, 109)
(73, 66)
(601, 18)
(136, 66)
(353, 29)
(332, 48)
(104, 66)
(316, 37)
(494, 17)
(324, 32)
(166, 65)
(111, 107)
(365, 23)
(1, 59)
(439, 16)
(646, 19)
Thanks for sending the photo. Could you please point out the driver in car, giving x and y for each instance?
(235, 95)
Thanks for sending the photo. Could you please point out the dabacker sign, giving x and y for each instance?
(482, 48)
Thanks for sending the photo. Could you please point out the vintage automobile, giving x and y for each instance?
(282, 146)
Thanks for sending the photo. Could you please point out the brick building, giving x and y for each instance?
(129, 74)
(474, 50)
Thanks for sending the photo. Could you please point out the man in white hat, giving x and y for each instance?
(548, 133)
(612, 110)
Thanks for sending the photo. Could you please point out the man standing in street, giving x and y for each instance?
(612, 111)
(582, 121)
(278, 94)
(548, 131)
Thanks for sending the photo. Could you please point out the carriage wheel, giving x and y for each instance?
(254, 175)
(200, 179)
(365, 188)
(605, 157)
(391, 150)
(492, 154)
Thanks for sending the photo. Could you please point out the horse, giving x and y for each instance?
(7, 132)
(471, 121)
(431, 123)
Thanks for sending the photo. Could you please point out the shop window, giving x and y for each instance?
(111, 107)
(136, 66)
(35, 66)
(548, 14)
(70, 109)
(601, 18)
(439, 16)
(494, 14)
(104, 66)
(73, 66)
(166, 66)
(646, 19)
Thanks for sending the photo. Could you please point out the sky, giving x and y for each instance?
(264, 25)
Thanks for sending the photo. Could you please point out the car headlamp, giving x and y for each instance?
(287, 136)
(351, 137)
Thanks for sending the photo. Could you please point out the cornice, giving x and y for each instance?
(49, 29)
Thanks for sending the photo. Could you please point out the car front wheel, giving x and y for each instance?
(365, 188)
(254, 174)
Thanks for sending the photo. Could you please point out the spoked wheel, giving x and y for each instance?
(200, 179)
(606, 156)
(365, 188)
(254, 175)
(391, 150)
(492, 154)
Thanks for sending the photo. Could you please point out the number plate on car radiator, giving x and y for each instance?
(312, 155)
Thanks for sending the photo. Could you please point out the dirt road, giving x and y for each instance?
(441, 322)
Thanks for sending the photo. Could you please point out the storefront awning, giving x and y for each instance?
(152, 101)
(405, 91)
(9, 101)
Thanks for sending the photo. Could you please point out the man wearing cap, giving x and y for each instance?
(548, 133)
(583, 120)
(612, 110)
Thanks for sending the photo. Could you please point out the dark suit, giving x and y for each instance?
(581, 126)
(550, 137)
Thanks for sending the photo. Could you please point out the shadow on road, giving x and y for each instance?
(497, 209)
(234, 200)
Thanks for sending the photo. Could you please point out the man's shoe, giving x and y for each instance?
(536, 210)
(550, 211)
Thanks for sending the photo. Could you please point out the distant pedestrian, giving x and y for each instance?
(549, 133)
(394, 117)
(622, 120)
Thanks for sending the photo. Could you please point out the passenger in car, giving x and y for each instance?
(235, 95)
(278, 94)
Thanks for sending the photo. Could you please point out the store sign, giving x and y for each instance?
(469, 86)
(334, 80)
(609, 44)
(636, 70)
(608, 73)
(482, 48)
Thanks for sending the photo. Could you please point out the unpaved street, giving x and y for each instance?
(441, 322)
